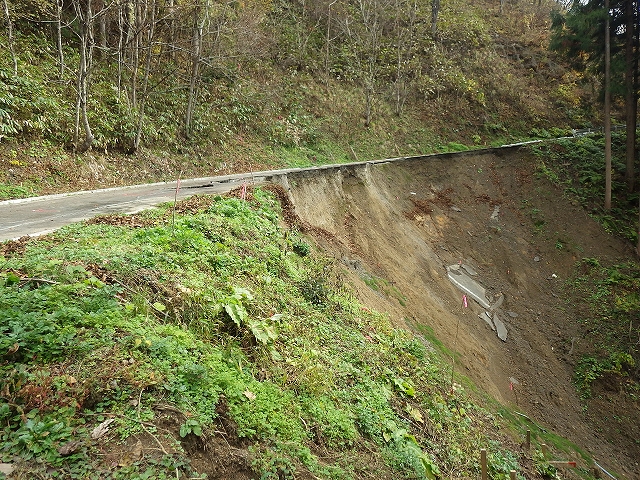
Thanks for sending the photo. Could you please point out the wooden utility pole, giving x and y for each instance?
(607, 107)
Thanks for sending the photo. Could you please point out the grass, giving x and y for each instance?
(577, 165)
(611, 303)
(8, 191)
(103, 321)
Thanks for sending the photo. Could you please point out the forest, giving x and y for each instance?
(120, 75)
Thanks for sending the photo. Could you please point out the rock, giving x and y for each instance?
(69, 448)
(487, 318)
(101, 429)
(501, 329)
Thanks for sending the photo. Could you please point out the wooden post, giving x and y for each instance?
(527, 443)
(483, 463)
(545, 451)
(512, 475)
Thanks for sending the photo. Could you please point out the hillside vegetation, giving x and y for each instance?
(228, 337)
(207, 338)
(243, 338)
(198, 89)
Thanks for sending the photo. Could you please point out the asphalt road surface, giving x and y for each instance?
(39, 215)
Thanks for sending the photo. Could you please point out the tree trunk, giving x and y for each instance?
(171, 20)
(147, 71)
(198, 27)
(328, 41)
(130, 46)
(630, 96)
(121, 46)
(85, 17)
(135, 52)
(10, 38)
(405, 38)
(435, 9)
(607, 108)
(59, 5)
(103, 36)
(638, 245)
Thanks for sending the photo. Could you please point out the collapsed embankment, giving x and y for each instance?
(396, 226)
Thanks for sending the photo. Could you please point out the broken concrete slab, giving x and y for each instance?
(464, 282)
(460, 277)
(498, 302)
(501, 328)
(486, 316)
(469, 269)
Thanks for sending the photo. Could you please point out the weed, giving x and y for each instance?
(315, 290)
(220, 321)
(590, 369)
(8, 192)
(576, 166)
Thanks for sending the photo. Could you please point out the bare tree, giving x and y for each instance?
(10, 38)
(435, 10)
(150, 37)
(200, 15)
(328, 41)
(405, 25)
(607, 107)
(363, 29)
(59, 5)
(84, 13)
(304, 27)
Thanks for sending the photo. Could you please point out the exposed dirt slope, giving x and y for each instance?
(405, 222)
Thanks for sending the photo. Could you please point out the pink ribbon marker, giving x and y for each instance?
(464, 301)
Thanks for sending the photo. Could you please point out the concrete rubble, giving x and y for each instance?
(460, 276)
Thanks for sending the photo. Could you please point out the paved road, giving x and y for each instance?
(39, 215)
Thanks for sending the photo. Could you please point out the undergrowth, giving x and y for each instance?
(610, 312)
(230, 319)
(578, 166)
(611, 317)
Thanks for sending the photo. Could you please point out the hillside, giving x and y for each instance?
(221, 341)
(394, 230)
(309, 331)
(265, 97)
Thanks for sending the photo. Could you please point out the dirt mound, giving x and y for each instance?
(397, 226)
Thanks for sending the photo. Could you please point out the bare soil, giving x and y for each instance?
(392, 229)
(405, 222)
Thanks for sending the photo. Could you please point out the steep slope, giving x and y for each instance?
(395, 228)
